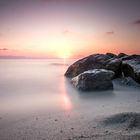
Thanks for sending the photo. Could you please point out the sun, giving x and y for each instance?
(64, 54)
(60, 47)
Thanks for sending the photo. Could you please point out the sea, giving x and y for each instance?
(39, 85)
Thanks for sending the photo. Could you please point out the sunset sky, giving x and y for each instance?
(68, 28)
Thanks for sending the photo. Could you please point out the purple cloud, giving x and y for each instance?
(137, 22)
(110, 33)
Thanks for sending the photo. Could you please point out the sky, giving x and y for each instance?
(68, 28)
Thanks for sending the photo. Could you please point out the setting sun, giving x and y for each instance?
(64, 54)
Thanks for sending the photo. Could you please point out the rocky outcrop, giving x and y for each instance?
(96, 61)
(88, 73)
(131, 67)
(97, 79)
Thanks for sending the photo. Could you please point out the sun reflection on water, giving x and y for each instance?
(66, 102)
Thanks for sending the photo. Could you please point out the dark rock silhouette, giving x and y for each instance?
(95, 61)
(114, 65)
(131, 67)
(97, 79)
(121, 55)
(112, 55)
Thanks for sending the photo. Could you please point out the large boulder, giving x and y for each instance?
(96, 61)
(131, 67)
(97, 79)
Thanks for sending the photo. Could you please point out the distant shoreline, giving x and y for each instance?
(31, 58)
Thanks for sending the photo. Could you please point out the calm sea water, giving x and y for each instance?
(40, 85)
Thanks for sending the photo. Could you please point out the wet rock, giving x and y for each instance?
(131, 67)
(96, 61)
(115, 66)
(122, 55)
(129, 82)
(131, 57)
(97, 79)
(112, 55)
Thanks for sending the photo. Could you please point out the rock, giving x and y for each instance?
(126, 81)
(129, 82)
(115, 66)
(97, 79)
(111, 55)
(130, 57)
(96, 61)
(131, 67)
(127, 120)
(121, 55)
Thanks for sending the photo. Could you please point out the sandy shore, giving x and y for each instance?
(71, 126)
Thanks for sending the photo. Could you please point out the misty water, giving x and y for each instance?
(28, 86)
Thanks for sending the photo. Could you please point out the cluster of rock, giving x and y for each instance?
(98, 70)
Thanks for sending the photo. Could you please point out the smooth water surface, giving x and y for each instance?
(28, 85)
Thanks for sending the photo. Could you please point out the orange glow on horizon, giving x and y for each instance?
(64, 46)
